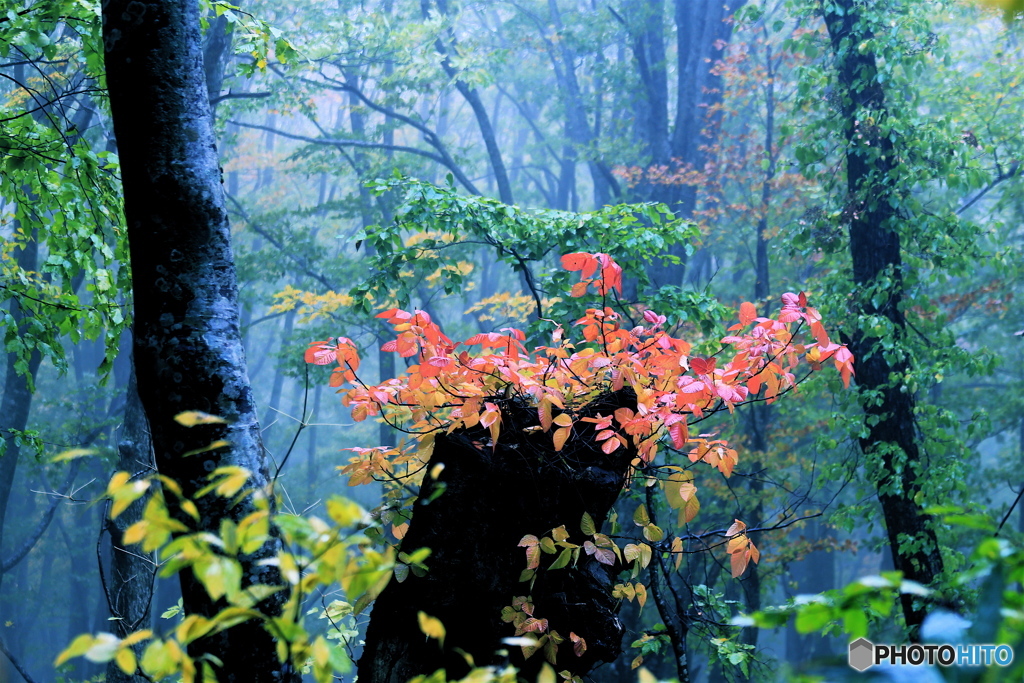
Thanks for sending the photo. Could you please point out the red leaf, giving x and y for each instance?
(703, 366)
(576, 261)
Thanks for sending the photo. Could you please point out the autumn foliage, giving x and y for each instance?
(454, 385)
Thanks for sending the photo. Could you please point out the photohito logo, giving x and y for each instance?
(864, 654)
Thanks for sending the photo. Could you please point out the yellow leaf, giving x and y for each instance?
(219, 443)
(191, 418)
(677, 550)
(690, 511)
(321, 651)
(345, 512)
(158, 660)
(137, 637)
(431, 627)
(192, 627)
(125, 659)
(232, 479)
(135, 533)
(73, 453)
(737, 544)
(117, 481)
(124, 492)
(190, 509)
(78, 647)
(640, 517)
(645, 676)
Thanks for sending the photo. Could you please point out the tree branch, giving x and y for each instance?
(17, 665)
(341, 143)
(238, 96)
(1013, 171)
(44, 522)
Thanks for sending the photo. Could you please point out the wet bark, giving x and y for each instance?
(491, 499)
(187, 347)
(888, 403)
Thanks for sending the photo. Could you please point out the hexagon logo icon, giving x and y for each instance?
(862, 654)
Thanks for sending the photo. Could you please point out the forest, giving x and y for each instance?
(511, 340)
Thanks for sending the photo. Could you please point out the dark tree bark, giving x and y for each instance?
(216, 53)
(888, 403)
(491, 499)
(130, 581)
(188, 351)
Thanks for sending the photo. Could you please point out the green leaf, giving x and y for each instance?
(587, 526)
(813, 617)
(562, 560)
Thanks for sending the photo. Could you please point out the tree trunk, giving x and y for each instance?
(132, 571)
(216, 54)
(490, 500)
(891, 441)
(701, 33)
(446, 48)
(17, 398)
(187, 346)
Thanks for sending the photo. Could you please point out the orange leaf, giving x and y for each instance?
(320, 353)
(544, 413)
(738, 563)
(560, 436)
(737, 527)
(563, 420)
(747, 313)
(579, 646)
